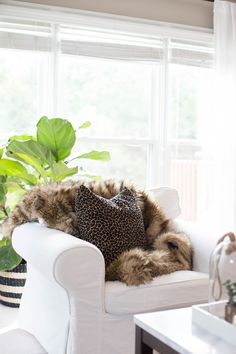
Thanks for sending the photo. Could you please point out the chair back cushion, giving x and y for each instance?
(168, 199)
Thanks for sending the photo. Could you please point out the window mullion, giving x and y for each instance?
(152, 149)
(115, 140)
(164, 153)
(55, 69)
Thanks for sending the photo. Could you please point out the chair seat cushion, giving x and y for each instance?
(178, 289)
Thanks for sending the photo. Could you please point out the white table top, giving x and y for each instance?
(175, 328)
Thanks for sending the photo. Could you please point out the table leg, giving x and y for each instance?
(140, 347)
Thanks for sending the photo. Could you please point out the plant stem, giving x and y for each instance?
(5, 211)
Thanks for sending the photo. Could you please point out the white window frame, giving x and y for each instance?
(158, 155)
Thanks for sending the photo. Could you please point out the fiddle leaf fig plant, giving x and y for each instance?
(26, 161)
(9, 259)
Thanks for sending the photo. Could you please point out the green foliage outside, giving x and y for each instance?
(231, 290)
(26, 161)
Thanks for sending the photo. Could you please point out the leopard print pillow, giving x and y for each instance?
(113, 225)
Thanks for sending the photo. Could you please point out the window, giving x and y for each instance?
(144, 93)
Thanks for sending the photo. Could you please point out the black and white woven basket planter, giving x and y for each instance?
(11, 285)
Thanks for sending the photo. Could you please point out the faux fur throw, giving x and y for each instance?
(167, 251)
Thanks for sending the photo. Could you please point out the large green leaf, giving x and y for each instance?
(22, 137)
(95, 155)
(1, 152)
(13, 186)
(4, 242)
(15, 192)
(57, 135)
(13, 180)
(16, 169)
(93, 177)
(61, 171)
(3, 190)
(9, 259)
(31, 148)
(85, 125)
(32, 153)
(2, 215)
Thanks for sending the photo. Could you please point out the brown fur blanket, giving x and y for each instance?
(168, 251)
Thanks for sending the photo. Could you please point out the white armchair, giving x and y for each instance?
(69, 308)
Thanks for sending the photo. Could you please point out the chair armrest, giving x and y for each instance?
(63, 299)
(203, 239)
(59, 256)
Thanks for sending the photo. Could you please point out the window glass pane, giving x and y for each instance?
(113, 95)
(127, 162)
(183, 101)
(190, 95)
(119, 97)
(23, 91)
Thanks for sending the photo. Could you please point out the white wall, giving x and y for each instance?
(187, 12)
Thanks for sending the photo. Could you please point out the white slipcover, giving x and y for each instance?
(168, 200)
(68, 307)
(19, 341)
(164, 292)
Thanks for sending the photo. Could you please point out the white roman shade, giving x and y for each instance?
(26, 35)
(101, 43)
(109, 44)
(31, 35)
(191, 53)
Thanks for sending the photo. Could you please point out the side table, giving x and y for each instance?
(172, 332)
